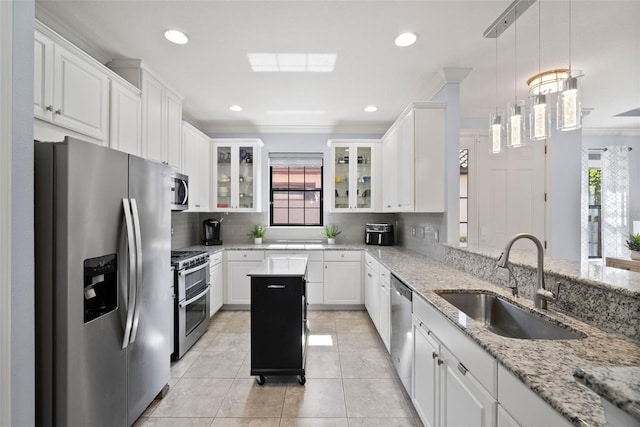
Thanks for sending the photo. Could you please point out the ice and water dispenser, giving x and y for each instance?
(100, 286)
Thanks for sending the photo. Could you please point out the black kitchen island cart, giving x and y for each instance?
(279, 327)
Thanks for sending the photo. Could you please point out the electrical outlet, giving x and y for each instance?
(423, 232)
(413, 231)
(172, 231)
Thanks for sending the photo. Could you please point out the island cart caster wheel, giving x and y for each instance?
(261, 380)
(302, 379)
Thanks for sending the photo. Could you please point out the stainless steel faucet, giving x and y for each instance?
(542, 295)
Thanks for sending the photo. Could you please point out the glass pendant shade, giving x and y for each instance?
(539, 117)
(516, 127)
(496, 132)
(569, 106)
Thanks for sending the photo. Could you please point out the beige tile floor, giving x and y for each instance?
(350, 381)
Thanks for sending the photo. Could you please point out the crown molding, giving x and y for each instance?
(238, 126)
(71, 35)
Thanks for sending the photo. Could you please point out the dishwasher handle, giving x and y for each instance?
(400, 288)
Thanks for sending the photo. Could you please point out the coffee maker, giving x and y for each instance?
(211, 232)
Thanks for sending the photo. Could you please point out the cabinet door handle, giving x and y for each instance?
(440, 362)
(462, 369)
(434, 355)
(49, 108)
(369, 274)
(58, 111)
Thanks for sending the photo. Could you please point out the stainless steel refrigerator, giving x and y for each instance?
(103, 303)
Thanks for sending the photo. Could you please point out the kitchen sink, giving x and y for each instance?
(504, 318)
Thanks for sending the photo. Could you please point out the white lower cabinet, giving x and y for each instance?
(239, 263)
(385, 306)
(463, 400)
(504, 419)
(523, 406)
(342, 277)
(450, 390)
(372, 295)
(216, 293)
(425, 373)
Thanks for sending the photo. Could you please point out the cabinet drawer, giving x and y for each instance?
(245, 255)
(215, 258)
(372, 263)
(471, 355)
(342, 255)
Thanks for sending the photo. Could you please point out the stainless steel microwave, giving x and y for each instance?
(179, 192)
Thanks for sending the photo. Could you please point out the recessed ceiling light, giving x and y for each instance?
(176, 36)
(406, 39)
(235, 108)
(370, 108)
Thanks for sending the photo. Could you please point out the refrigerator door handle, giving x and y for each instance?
(131, 270)
(138, 282)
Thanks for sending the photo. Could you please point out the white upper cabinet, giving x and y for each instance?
(161, 113)
(125, 124)
(354, 183)
(70, 89)
(196, 166)
(236, 172)
(413, 160)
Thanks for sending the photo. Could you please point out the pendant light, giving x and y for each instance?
(569, 97)
(495, 120)
(539, 117)
(516, 129)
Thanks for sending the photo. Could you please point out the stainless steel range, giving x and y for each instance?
(192, 285)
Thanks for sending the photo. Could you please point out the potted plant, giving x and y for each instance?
(634, 246)
(332, 232)
(257, 232)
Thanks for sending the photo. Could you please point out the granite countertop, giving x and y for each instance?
(281, 266)
(279, 246)
(619, 385)
(545, 366)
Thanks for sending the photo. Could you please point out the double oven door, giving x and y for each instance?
(192, 306)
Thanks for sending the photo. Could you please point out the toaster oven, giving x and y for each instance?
(378, 234)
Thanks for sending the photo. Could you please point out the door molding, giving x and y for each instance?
(6, 40)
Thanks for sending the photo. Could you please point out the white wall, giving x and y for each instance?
(6, 28)
(564, 169)
(22, 243)
(450, 93)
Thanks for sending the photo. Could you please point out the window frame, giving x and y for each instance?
(315, 190)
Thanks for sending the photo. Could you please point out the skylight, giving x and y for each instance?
(292, 62)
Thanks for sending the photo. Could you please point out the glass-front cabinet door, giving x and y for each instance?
(354, 176)
(236, 175)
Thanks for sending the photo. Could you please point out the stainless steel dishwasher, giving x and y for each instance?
(401, 331)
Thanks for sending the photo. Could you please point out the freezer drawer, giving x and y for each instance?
(278, 326)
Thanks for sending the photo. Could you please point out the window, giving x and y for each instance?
(295, 190)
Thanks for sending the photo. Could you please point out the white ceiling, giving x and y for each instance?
(212, 71)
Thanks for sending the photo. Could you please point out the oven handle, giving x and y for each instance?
(183, 304)
(131, 270)
(138, 235)
(196, 268)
